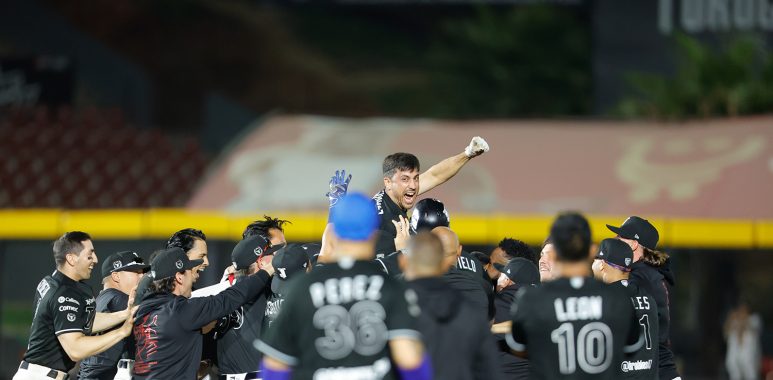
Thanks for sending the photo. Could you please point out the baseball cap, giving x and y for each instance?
(170, 261)
(354, 218)
(287, 263)
(123, 261)
(248, 251)
(638, 229)
(616, 253)
(522, 272)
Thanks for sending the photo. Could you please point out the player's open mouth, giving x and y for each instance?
(409, 197)
(543, 267)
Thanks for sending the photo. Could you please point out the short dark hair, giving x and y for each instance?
(185, 239)
(571, 236)
(261, 227)
(399, 161)
(515, 248)
(70, 242)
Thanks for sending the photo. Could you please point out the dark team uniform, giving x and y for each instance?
(167, 328)
(456, 336)
(473, 288)
(337, 321)
(642, 364)
(515, 368)
(657, 282)
(574, 328)
(103, 365)
(236, 351)
(387, 212)
(62, 306)
(273, 306)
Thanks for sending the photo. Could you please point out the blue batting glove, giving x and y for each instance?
(339, 183)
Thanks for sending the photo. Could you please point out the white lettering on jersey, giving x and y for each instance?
(336, 291)
(63, 299)
(68, 308)
(638, 365)
(465, 263)
(379, 201)
(282, 273)
(90, 301)
(578, 308)
(377, 371)
(640, 303)
(43, 288)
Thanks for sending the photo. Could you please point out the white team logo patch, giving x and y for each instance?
(282, 273)
(636, 236)
(61, 299)
(627, 261)
(71, 317)
(43, 288)
(179, 264)
(116, 264)
(258, 251)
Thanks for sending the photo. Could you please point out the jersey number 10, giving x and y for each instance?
(591, 349)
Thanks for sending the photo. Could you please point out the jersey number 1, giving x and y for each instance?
(592, 348)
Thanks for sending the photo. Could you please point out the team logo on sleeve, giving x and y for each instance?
(179, 264)
(61, 299)
(43, 288)
(71, 317)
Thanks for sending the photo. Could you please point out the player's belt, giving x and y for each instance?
(241, 376)
(39, 369)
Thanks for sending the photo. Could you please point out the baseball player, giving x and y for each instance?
(237, 357)
(456, 335)
(168, 323)
(401, 189)
(347, 319)
(547, 261)
(651, 271)
(65, 313)
(613, 266)
(121, 272)
(272, 229)
(194, 243)
(518, 273)
(573, 327)
(289, 263)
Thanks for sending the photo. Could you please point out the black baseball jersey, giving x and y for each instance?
(337, 321)
(642, 364)
(514, 367)
(103, 365)
(390, 264)
(273, 306)
(388, 211)
(657, 282)
(236, 351)
(574, 328)
(62, 305)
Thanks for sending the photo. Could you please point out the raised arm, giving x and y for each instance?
(444, 170)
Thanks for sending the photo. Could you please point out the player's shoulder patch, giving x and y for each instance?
(43, 287)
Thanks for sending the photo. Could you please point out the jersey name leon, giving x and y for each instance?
(578, 308)
(336, 291)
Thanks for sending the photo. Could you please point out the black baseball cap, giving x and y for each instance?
(170, 261)
(287, 263)
(312, 251)
(248, 251)
(522, 272)
(616, 253)
(641, 230)
(123, 261)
